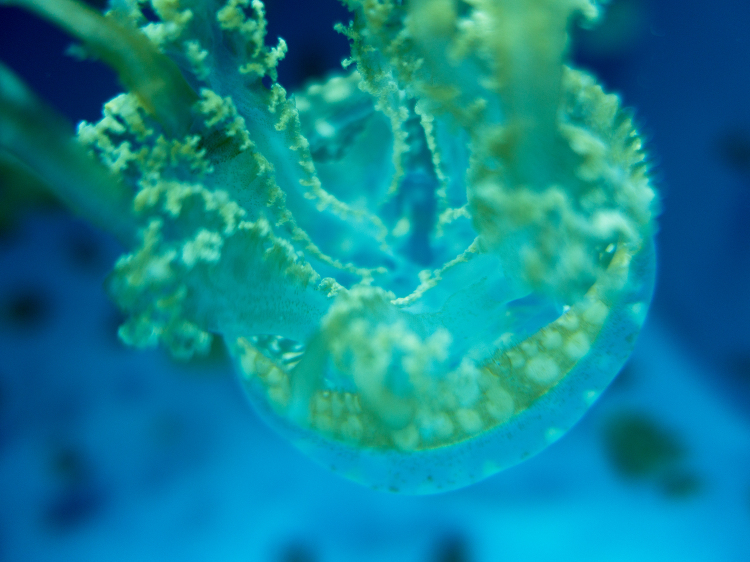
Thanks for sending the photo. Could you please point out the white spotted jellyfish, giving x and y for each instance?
(426, 269)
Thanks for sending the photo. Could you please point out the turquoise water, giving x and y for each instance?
(107, 453)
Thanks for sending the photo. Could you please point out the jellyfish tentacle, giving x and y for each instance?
(40, 139)
(152, 77)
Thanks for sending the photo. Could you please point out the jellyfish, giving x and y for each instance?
(426, 268)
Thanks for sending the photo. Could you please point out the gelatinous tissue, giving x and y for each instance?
(426, 268)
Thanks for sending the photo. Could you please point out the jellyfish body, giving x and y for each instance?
(425, 270)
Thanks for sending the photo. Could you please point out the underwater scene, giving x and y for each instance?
(342, 280)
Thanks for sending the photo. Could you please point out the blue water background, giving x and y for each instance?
(107, 453)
